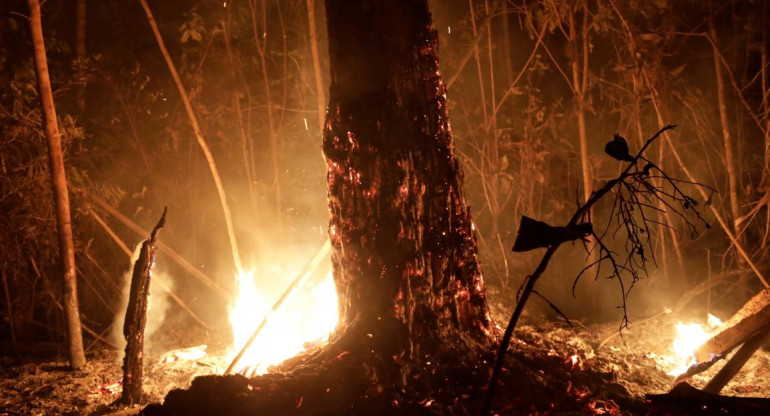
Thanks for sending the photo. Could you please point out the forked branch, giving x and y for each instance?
(635, 195)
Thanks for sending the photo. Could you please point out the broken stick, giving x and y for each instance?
(735, 334)
(735, 363)
(136, 318)
(748, 326)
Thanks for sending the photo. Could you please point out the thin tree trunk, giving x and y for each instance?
(765, 180)
(10, 317)
(579, 66)
(260, 39)
(507, 48)
(728, 142)
(717, 215)
(494, 176)
(61, 197)
(80, 52)
(247, 145)
(319, 89)
(199, 136)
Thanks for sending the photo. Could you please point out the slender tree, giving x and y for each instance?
(199, 137)
(313, 35)
(61, 197)
(80, 50)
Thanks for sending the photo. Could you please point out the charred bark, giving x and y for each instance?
(415, 330)
(136, 318)
(404, 246)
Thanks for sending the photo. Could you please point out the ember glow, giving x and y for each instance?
(688, 338)
(304, 319)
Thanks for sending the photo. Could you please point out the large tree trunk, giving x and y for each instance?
(415, 325)
(64, 223)
(404, 246)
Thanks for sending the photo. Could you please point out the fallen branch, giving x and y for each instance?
(724, 342)
(735, 363)
(98, 337)
(750, 322)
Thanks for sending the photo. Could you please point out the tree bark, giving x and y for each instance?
(136, 318)
(414, 317)
(404, 249)
(77, 356)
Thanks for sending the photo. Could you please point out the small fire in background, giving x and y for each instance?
(308, 317)
(688, 338)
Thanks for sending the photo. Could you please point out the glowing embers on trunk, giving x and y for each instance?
(306, 318)
(688, 338)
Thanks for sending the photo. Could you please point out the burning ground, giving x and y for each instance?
(555, 370)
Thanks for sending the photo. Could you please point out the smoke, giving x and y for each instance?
(161, 284)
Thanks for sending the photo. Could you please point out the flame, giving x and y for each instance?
(308, 317)
(688, 338)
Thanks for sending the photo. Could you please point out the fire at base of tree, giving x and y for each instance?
(607, 236)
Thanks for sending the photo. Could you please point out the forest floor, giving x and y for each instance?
(579, 370)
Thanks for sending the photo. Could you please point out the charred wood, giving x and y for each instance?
(735, 363)
(136, 318)
(734, 335)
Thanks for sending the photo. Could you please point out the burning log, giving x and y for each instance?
(136, 318)
(735, 364)
(749, 326)
(752, 319)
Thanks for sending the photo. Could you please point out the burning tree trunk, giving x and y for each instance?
(415, 323)
(404, 248)
(136, 318)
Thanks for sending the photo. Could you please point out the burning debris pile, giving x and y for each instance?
(553, 370)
